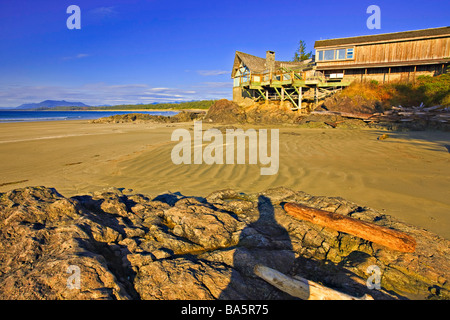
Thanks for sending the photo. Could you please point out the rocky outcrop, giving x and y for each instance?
(131, 246)
(334, 112)
(183, 116)
(225, 111)
(357, 104)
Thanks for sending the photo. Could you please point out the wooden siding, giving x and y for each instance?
(368, 54)
(386, 74)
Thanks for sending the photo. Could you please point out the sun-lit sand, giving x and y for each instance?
(406, 175)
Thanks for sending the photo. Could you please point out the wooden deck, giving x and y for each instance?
(288, 85)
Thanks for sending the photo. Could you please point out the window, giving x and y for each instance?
(320, 55)
(328, 55)
(335, 54)
(350, 53)
(340, 54)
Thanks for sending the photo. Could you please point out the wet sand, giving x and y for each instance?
(406, 175)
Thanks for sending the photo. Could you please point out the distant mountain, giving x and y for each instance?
(51, 104)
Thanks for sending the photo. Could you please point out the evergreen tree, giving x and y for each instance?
(301, 54)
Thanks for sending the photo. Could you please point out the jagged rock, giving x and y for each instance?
(182, 278)
(201, 224)
(343, 103)
(225, 111)
(42, 234)
(175, 247)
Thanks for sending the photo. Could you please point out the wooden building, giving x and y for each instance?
(385, 57)
(338, 62)
(268, 79)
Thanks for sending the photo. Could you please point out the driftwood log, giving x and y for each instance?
(300, 287)
(354, 115)
(390, 238)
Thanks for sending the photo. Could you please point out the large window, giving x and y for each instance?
(340, 54)
(335, 54)
(328, 55)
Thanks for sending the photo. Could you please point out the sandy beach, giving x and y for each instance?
(406, 175)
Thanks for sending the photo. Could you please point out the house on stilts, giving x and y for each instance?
(267, 79)
(338, 62)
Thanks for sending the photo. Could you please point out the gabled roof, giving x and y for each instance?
(254, 63)
(386, 37)
(258, 65)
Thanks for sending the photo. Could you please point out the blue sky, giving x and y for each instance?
(144, 51)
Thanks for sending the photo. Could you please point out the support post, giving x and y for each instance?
(262, 94)
(415, 69)
(278, 93)
(316, 97)
(292, 100)
(249, 94)
(300, 99)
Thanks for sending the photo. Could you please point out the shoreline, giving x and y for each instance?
(70, 114)
(113, 110)
(74, 115)
(140, 110)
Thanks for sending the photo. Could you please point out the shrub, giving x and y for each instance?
(426, 89)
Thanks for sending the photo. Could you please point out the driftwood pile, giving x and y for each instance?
(407, 114)
(434, 114)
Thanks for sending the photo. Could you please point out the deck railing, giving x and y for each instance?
(280, 78)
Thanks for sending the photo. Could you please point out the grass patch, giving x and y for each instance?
(428, 90)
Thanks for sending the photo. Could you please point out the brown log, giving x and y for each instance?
(390, 238)
(355, 115)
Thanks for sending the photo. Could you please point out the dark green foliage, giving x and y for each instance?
(300, 54)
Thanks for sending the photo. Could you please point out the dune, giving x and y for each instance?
(406, 175)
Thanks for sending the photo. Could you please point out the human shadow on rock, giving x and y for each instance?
(261, 242)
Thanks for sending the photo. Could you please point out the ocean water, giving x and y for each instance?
(22, 116)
